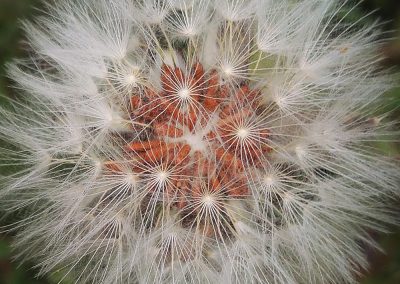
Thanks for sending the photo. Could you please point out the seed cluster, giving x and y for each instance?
(198, 137)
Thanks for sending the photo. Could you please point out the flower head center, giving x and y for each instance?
(184, 94)
(243, 133)
(162, 176)
(194, 127)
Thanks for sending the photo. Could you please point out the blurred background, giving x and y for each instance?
(385, 267)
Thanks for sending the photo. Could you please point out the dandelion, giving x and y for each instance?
(197, 141)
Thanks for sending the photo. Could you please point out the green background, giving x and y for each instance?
(385, 268)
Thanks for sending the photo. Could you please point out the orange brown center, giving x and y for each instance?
(196, 136)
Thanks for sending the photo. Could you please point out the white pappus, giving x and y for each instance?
(198, 141)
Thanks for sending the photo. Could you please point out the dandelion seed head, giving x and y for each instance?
(197, 141)
(184, 93)
(208, 200)
(243, 133)
(162, 176)
(269, 180)
(132, 179)
(227, 70)
(131, 79)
